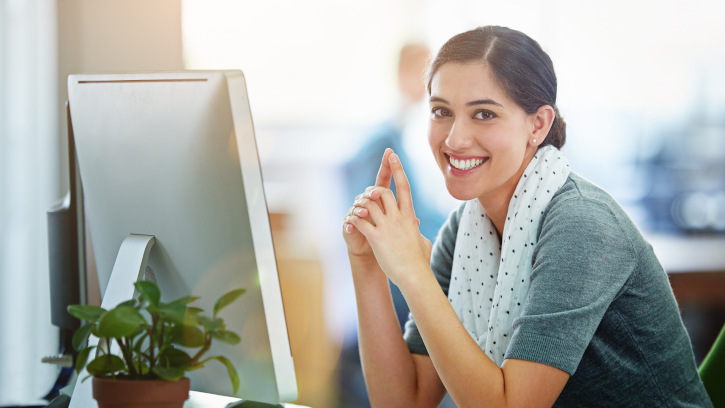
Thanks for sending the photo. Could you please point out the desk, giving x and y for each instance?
(684, 253)
(203, 400)
(196, 400)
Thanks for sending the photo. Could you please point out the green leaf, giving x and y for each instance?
(81, 336)
(173, 312)
(149, 291)
(233, 376)
(211, 324)
(185, 300)
(191, 317)
(94, 330)
(82, 358)
(132, 302)
(86, 312)
(191, 310)
(104, 365)
(121, 321)
(226, 336)
(227, 299)
(141, 368)
(173, 357)
(187, 336)
(168, 373)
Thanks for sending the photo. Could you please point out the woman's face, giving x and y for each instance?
(480, 138)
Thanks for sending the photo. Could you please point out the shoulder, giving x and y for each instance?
(578, 191)
(583, 223)
(581, 204)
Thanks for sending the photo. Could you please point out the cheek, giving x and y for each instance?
(510, 139)
(436, 139)
(436, 136)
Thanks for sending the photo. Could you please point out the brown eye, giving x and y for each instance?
(484, 115)
(440, 112)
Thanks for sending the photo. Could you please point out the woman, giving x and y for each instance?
(550, 295)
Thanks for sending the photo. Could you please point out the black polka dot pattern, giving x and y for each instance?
(479, 261)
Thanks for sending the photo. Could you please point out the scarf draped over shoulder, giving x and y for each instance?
(490, 281)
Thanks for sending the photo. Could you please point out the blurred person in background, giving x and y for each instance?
(539, 290)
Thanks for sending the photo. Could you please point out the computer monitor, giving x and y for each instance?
(173, 156)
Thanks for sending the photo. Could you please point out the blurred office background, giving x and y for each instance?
(640, 86)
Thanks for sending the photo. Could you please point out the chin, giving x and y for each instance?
(460, 193)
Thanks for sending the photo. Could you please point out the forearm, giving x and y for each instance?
(388, 366)
(469, 375)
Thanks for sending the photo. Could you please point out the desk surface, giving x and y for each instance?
(683, 253)
(203, 400)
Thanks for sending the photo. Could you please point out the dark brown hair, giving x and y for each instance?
(519, 65)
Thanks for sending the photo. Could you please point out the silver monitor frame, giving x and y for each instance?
(173, 156)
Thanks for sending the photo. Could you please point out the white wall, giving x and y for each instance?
(113, 36)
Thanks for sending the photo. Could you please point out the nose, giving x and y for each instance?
(458, 137)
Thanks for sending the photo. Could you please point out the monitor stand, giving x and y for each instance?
(130, 266)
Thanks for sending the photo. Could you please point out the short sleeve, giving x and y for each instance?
(581, 263)
(441, 263)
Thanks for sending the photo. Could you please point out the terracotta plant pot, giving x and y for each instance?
(110, 393)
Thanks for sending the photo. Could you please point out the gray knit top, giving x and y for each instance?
(600, 307)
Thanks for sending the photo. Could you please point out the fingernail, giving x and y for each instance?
(394, 158)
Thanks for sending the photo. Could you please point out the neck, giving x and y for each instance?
(496, 204)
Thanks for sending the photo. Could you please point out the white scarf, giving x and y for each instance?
(490, 281)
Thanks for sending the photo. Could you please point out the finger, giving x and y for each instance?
(364, 226)
(361, 212)
(385, 173)
(371, 209)
(384, 196)
(402, 186)
(346, 226)
(346, 223)
(363, 196)
(361, 202)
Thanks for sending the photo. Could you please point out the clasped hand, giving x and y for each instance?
(379, 226)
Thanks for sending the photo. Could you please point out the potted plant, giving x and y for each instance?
(157, 344)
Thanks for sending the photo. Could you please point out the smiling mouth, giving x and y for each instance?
(466, 164)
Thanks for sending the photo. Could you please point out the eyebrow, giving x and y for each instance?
(472, 103)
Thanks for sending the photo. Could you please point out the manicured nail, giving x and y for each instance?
(394, 158)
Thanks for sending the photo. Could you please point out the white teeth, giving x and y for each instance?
(465, 164)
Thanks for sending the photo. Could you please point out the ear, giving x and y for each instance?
(543, 119)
